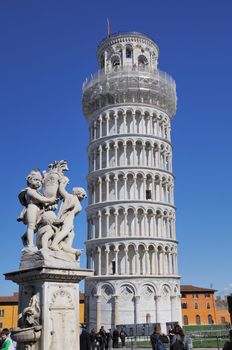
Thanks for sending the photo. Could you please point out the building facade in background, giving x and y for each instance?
(199, 306)
(8, 311)
(131, 246)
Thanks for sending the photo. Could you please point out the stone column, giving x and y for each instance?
(176, 266)
(116, 311)
(107, 214)
(116, 186)
(152, 157)
(94, 159)
(126, 261)
(94, 193)
(135, 225)
(125, 224)
(158, 158)
(107, 124)
(88, 259)
(100, 189)
(99, 260)
(151, 262)
(124, 124)
(125, 187)
(145, 218)
(143, 188)
(93, 261)
(134, 123)
(99, 224)
(156, 271)
(93, 227)
(115, 124)
(143, 154)
(137, 298)
(124, 153)
(115, 155)
(137, 268)
(133, 147)
(154, 225)
(169, 133)
(100, 157)
(107, 155)
(115, 223)
(157, 307)
(107, 261)
(160, 262)
(107, 187)
(147, 267)
(116, 261)
(100, 131)
(173, 300)
(156, 127)
(143, 123)
(98, 312)
(94, 130)
(134, 186)
(170, 163)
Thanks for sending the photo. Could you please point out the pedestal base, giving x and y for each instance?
(56, 299)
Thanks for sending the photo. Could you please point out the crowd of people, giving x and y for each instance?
(103, 339)
(175, 336)
(177, 339)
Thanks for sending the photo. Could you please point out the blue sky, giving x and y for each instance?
(48, 49)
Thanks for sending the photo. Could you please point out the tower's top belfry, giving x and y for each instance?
(128, 73)
(127, 50)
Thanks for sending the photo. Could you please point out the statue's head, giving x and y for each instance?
(34, 179)
(59, 165)
(79, 192)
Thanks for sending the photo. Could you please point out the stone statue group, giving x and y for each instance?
(49, 209)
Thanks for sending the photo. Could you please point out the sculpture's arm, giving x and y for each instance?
(34, 194)
(64, 194)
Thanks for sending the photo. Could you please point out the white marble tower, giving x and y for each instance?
(131, 245)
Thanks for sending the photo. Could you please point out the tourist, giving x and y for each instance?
(177, 338)
(123, 336)
(228, 344)
(99, 343)
(108, 345)
(102, 333)
(115, 338)
(92, 338)
(84, 339)
(158, 339)
(6, 341)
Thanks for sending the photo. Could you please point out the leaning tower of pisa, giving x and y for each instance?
(131, 245)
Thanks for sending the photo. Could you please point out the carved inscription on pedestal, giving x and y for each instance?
(63, 320)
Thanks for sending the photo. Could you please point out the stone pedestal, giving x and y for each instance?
(56, 301)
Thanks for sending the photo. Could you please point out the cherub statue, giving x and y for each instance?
(70, 207)
(34, 202)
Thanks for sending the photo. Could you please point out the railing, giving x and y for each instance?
(129, 71)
